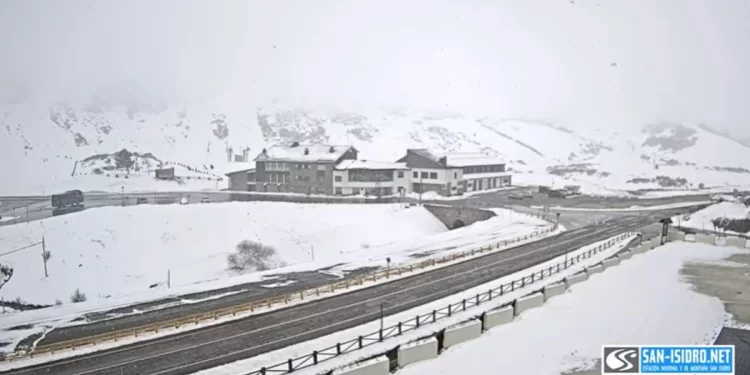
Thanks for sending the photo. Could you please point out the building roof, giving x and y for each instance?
(369, 164)
(470, 159)
(304, 153)
(235, 167)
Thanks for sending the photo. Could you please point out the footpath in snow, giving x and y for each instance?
(644, 300)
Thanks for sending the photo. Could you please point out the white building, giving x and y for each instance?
(365, 177)
(454, 173)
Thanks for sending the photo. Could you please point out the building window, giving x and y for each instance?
(321, 174)
(400, 174)
(425, 175)
(338, 189)
(321, 167)
(415, 174)
(455, 175)
(366, 175)
(433, 175)
(337, 179)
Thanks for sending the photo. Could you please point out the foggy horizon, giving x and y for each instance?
(620, 63)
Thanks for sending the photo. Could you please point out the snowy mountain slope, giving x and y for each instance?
(41, 144)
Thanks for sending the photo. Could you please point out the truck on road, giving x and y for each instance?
(69, 201)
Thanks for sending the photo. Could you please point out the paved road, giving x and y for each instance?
(214, 346)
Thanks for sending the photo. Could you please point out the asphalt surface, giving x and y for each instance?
(741, 341)
(213, 346)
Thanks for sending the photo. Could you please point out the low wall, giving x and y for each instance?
(553, 290)
(456, 335)
(689, 238)
(624, 255)
(575, 279)
(704, 238)
(456, 216)
(654, 243)
(736, 242)
(529, 302)
(498, 317)
(640, 249)
(376, 366)
(299, 198)
(610, 262)
(417, 351)
(675, 235)
(594, 269)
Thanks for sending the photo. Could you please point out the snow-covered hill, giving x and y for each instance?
(41, 144)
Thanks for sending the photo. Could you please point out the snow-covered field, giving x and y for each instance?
(116, 251)
(643, 301)
(702, 219)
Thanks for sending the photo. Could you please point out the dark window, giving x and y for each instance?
(433, 175)
(337, 179)
(338, 189)
(416, 174)
(455, 175)
(366, 175)
(425, 175)
(321, 174)
(400, 174)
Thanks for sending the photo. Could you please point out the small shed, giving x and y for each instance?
(165, 173)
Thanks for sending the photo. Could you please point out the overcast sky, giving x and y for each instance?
(614, 62)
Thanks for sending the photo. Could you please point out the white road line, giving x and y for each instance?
(192, 347)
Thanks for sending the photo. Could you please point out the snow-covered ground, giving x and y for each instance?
(702, 219)
(115, 251)
(305, 348)
(643, 301)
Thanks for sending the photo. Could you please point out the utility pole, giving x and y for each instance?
(169, 278)
(381, 317)
(421, 187)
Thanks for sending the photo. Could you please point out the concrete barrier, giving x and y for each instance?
(498, 317)
(689, 238)
(747, 244)
(705, 238)
(720, 241)
(640, 249)
(624, 255)
(575, 279)
(375, 366)
(553, 290)
(529, 302)
(675, 235)
(654, 243)
(459, 334)
(594, 269)
(417, 351)
(736, 242)
(610, 262)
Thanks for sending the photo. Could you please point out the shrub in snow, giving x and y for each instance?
(253, 256)
(77, 296)
(58, 302)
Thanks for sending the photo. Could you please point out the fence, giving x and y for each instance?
(267, 303)
(318, 356)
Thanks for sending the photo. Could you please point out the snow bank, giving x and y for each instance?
(642, 301)
(702, 219)
(115, 251)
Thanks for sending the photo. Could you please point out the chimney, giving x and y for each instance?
(307, 151)
(332, 149)
(264, 151)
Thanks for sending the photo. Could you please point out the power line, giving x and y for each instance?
(22, 248)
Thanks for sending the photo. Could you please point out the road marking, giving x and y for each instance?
(192, 347)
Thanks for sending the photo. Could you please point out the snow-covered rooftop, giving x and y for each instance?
(304, 153)
(369, 164)
(468, 159)
(234, 167)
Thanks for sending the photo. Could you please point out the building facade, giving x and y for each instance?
(305, 169)
(241, 180)
(454, 173)
(370, 178)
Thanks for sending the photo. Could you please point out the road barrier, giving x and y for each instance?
(417, 351)
(498, 317)
(272, 302)
(553, 290)
(376, 366)
(318, 356)
(463, 332)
